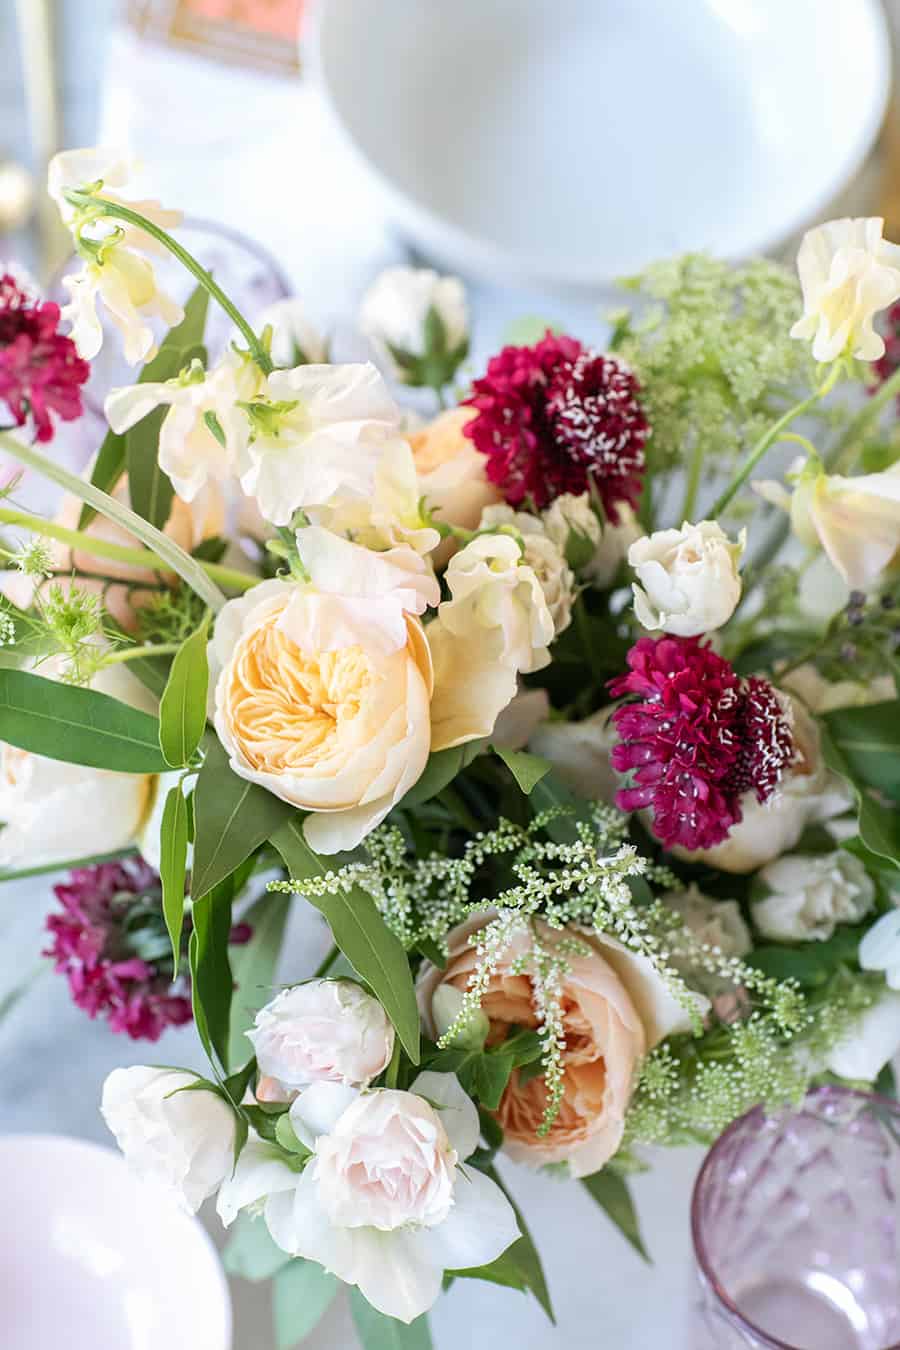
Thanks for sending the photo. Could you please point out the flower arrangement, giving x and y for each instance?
(581, 735)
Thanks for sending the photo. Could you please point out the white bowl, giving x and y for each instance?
(569, 142)
(91, 1259)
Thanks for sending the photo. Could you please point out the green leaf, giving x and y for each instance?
(173, 844)
(811, 964)
(211, 980)
(523, 1256)
(182, 710)
(80, 726)
(612, 1194)
(251, 1254)
(526, 769)
(301, 1295)
(231, 819)
(375, 953)
(286, 1136)
(253, 966)
(152, 671)
(108, 469)
(41, 869)
(879, 826)
(868, 741)
(377, 1332)
(441, 769)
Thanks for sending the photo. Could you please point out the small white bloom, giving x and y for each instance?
(543, 555)
(189, 450)
(322, 1031)
(384, 1203)
(295, 338)
(689, 578)
(317, 431)
(394, 315)
(173, 1134)
(870, 1043)
(392, 516)
(718, 923)
(848, 273)
(880, 948)
(496, 625)
(811, 895)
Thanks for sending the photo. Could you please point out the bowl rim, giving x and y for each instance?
(495, 261)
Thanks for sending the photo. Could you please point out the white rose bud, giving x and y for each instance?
(419, 321)
(593, 551)
(810, 895)
(182, 1140)
(689, 578)
(848, 272)
(324, 1030)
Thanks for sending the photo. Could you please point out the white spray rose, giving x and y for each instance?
(384, 1202)
(689, 578)
(324, 1030)
(397, 313)
(182, 1140)
(871, 1042)
(811, 895)
(848, 273)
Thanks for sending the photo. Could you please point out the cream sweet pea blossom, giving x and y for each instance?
(395, 309)
(189, 451)
(55, 811)
(175, 1135)
(321, 690)
(496, 625)
(810, 895)
(322, 1031)
(543, 555)
(385, 1202)
(689, 582)
(855, 520)
(316, 431)
(115, 268)
(848, 273)
(392, 516)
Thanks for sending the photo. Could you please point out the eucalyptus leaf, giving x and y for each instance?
(80, 726)
(610, 1190)
(526, 769)
(173, 844)
(301, 1295)
(253, 966)
(231, 819)
(182, 710)
(251, 1254)
(377, 1332)
(375, 953)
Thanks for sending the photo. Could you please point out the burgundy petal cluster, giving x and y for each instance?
(556, 418)
(695, 737)
(40, 369)
(885, 366)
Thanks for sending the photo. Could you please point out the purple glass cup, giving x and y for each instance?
(795, 1227)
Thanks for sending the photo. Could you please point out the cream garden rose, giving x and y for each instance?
(688, 578)
(322, 690)
(848, 273)
(809, 895)
(322, 1031)
(173, 1134)
(385, 1202)
(615, 1008)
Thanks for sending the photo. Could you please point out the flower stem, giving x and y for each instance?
(773, 434)
(121, 212)
(327, 962)
(693, 482)
(138, 653)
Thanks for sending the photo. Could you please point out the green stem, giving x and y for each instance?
(693, 482)
(327, 961)
(138, 653)
(121, 212)
(105, 548)
(769, 437)
(165, 549)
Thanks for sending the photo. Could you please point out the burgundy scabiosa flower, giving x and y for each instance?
(557, 417)
(695, 738)
(885, 366)
(40, 369)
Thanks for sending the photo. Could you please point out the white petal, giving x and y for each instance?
(124, 407)
(458, 1114)
(318, 1108)
(659, 1010)
(260, 1171)
(478, 1229)
(394, 1272)
(311, 1234)
(871, 1042)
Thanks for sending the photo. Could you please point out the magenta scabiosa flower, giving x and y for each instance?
(695, 738)
(556, 418)
(40, 369)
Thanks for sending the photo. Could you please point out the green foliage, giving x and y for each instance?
(211, 979)
(868, 742)
(253, 967)
(108, 469)
(441, 769)
(520, 1265)
(182, 709)
(879, 825)
(301, 1295)
(610, 1190)
(173, 844)
(484, 1073)
(251, 1254)
(80, 726)
(526, 769)
(377, 1332)
(436, 367)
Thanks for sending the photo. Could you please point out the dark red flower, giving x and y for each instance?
(40, 369)
(557, 418)
(885, 366)
(695, 738)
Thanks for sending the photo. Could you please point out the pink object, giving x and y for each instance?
(40, 370)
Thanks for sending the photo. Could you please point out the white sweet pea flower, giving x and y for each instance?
(190, 451)
(810, 895)
(321, 691)
(295, 338)
(689, 582)
(322, 1031)
(870, 1043)
(174, 1134)
(392, 516)
(855, 520)
(496, 625)
(316, 431)
(115, 269)
(543, 555)
(848, 273)
(384, 1203)
(397, 313)
(880, 948)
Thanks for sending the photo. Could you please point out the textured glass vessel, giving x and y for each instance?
(795, 1227)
